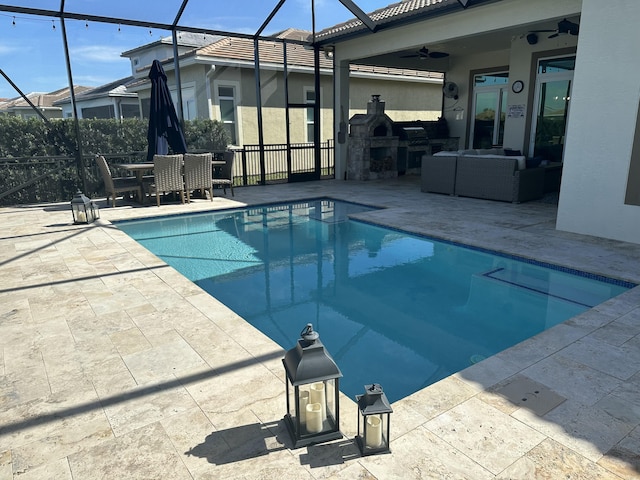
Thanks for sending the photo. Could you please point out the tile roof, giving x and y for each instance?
(241, 49)
(270, 52)
(404, 11)
(115, 88)
(185, 39)
(40, 99)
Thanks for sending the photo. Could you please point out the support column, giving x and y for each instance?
(341, 116)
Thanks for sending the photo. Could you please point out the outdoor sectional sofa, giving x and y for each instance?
(487, 174)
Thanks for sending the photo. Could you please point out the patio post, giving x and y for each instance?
(74, 108)
(256, 63)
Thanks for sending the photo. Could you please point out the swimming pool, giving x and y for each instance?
(392, 308)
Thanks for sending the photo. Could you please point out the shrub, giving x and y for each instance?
(33, 137)
(37, 140)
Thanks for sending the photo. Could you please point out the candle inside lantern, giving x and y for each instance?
(373, 431)
(317, 395)
(81, 216)
(314, 418)
(304, 401)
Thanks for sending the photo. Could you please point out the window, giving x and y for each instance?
(310, 98)
(104, 111)
(489, 108)
(145, 104)
(227, 102)
(129, 110)
(188, 102)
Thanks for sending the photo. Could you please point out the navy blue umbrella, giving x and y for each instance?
(164, 127)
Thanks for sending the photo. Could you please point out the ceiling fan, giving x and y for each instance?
(564, 27)
(424, 53)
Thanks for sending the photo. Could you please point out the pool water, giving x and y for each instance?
(392, 308)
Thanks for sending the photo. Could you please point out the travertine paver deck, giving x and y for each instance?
(113, 365)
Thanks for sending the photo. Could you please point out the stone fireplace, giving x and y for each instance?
(373, 149)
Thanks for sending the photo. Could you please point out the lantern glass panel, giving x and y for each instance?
(331, 390)
(374, 432)
(295, 405)
(79, 213)
(95, 211)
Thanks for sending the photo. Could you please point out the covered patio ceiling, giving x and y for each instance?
(496, 40)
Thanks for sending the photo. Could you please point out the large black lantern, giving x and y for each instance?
(312, 391)
(374, 414)
(83, 209)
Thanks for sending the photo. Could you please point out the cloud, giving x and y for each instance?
(9, 50)
(97, 53)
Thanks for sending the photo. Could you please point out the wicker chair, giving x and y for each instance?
(114, 186)
(167, 173)
(198, 173)
(223, 175)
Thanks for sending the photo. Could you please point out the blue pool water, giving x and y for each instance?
(392, 308)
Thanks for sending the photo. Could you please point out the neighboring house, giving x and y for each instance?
(112, 100)
(554, 79)
(219, 82)
(116, 99)
(142, 57)
(45, 102)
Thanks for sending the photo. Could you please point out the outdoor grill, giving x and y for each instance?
(413, 143)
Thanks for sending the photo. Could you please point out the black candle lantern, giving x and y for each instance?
(374, 416)
(83, 209)
(313, 413)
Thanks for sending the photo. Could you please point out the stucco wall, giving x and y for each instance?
(404, 101)
(602, 124)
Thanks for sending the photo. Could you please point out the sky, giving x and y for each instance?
(32, 47)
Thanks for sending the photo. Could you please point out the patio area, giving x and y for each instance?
(113, 365)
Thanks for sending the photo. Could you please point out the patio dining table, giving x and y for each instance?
(139, 169)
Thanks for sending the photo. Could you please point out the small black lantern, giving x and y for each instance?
(83, 209)
(374, 418)
(313, 390)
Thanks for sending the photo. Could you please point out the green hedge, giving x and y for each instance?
(26, 148)
(25, 138)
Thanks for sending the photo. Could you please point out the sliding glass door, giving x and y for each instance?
(552, 98)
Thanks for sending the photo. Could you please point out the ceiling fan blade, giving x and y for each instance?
(424, 54)
(567, 26)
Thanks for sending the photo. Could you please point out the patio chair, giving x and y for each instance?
(115, 185)
(167, 175)
(198, 174)
(223, 175)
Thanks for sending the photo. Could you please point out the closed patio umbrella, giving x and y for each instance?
(164, 127)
